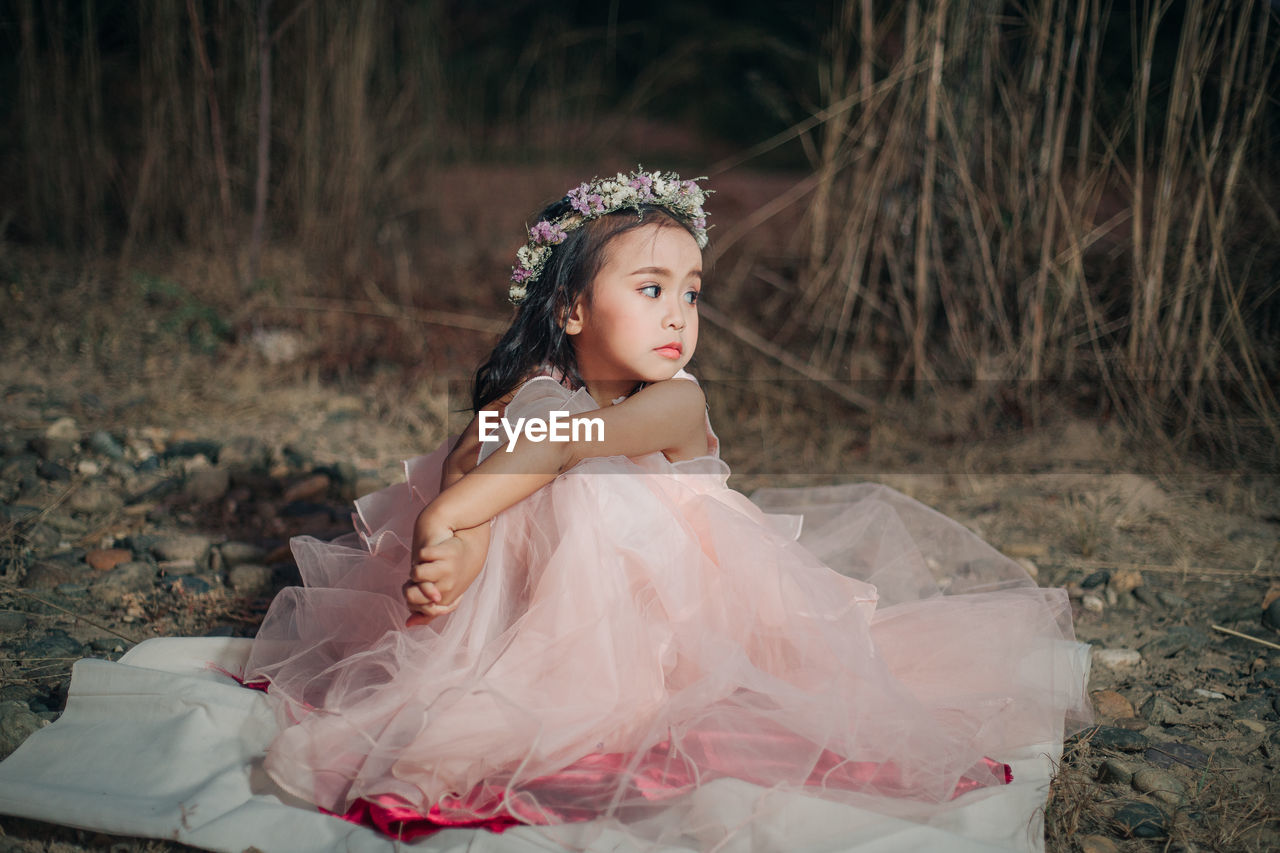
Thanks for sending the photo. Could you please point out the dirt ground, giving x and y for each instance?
(1159, 552)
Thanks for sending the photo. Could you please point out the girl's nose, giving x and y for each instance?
(675, 316)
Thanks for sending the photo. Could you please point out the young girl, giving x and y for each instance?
(565, 617)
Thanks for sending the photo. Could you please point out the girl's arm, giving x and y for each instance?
(666, 416)
(456, 563)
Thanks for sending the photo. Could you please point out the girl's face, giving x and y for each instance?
(641, 321)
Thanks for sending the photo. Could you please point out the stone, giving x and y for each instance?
(1254, 708)
(1271, 615)
(1098, 578)
(64, 429)
(54, 471)
(48, 574)
(1115, 770)
(55, 644)
(113, 586)
(1268, 677)
(1172, 601)
(1125, 580)
(238, 553)
(1117, 658)
(245, 453)
(1164, 646)
(250, 580)
(207, 485)
(12, 622)
(1159, 711)
(1159, 784)
(1032, 550)
(307, 489)
(1097, 844)
(1140, 820)
(1092, 603)
(1114, 737)
(1149, 597)
(18, 513)
(104, 443)
(1111, 704)
(192, 448)
(189, 584)
(17, 723)
(94, 500)
(181, 546)
(1031, 568)
(107, 644)
(1209, 694)
(1172, 752)
(106, 559)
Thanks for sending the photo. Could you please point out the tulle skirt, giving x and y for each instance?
(640, 630)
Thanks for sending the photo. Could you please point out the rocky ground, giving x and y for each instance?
(136, 510)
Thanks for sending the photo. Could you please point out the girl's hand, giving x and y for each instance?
(443, 564)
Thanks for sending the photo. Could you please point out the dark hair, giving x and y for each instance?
(536, 337)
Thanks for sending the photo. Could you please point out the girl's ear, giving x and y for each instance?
(575, 319)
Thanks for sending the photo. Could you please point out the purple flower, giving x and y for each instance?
(519, 275)
(547, 233)
(644, 184)
(688, 187)
(700, 223)
(584, 201)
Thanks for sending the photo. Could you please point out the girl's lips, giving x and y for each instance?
(671, 351)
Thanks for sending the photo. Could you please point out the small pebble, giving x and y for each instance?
(64, 429)
(1111, 704)
(1271, 616)
(190, 584)
(1209, 694)
(1171, 752)
(1125, 580)
(102, 442)
(12, 622)
(250, 580)
(17, 723)
(308, 488)
(238, 553)
(125, 578)
(1115, 737)
(1165, 646)
(207, 485)
(1098, 578)
(1159, 711)
(1149, 597)
(180, 546)
(1092, 603)
(1159, 784)
(1117, 658)
(105, 559)
(1098, 844)
(1140, 820)
(1115, 770)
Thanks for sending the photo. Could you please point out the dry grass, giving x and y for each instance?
(981, 216)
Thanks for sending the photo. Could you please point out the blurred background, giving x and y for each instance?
(1001, 208)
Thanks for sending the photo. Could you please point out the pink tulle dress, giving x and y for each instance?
(639, 631)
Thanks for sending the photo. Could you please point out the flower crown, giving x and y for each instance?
(684, 199)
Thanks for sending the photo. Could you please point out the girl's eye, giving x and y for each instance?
(651, 290)
(691, 296)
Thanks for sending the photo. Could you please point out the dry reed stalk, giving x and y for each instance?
(975, 229)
